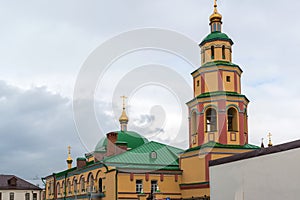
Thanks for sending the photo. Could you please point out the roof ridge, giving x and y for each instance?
(5, 178)
(175, 156)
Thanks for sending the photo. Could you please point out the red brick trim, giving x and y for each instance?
(220, 80)
(235, 82)
(222, 125)
(242, 129)
(161, 177)
(195, 186)
(202, 83)
(131, 176)
(207, 159)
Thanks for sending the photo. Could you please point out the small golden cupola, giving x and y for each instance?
(270, 140)
(216, 19)
(123, 119)
(69, 159)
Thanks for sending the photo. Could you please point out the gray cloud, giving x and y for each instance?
(36, 127)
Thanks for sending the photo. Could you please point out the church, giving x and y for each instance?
(126, 166)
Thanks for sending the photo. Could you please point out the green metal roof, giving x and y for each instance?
(66, 172)
(219, 93)
(140, 157)
(224, 146)
(63, 173)
(216, 36)
(218, 63)
(132, 139)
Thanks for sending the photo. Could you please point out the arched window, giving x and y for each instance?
(212, 52)
(100, 185)
(69, 186)
(52, 186)
(63, 188)
(232, 119)
(211, 120)
(58, 189)
(91, 182)
(223, 52)
(82, 184)
(75, 186)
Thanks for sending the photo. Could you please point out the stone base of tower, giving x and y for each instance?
(194, 163)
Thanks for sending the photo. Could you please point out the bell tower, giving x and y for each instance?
(218, 112)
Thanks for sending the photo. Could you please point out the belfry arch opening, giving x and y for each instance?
(212, 52)
(232, 121)
(223, 52)
(211, 120)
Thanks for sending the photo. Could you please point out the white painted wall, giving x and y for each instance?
(270, 177)
(20, 194)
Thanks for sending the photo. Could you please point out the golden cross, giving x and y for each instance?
(270, 136)
(69, 149)
(215, 3)
(270, 140)
(124, 99)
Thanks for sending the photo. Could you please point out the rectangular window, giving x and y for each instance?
(228, 78)
(0, 195)
(34, 196)
(153, 186)
(233, 136)
(194, 139)
(52, 188)
(211, 137)
(198, 83)
(11, 196)
(27, 196)
(215, 27)
(139, 186)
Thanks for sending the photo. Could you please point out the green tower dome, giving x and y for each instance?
(132, 139)
(216, 36)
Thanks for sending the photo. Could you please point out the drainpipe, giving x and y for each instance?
(65, 189)
(54, 186)
(116, 184)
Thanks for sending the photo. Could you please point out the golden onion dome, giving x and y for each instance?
(216, 16)
(123, 117)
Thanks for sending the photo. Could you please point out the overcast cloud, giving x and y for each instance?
(44, 44)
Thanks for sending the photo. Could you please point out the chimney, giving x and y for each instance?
(112, 138)
(81, 162)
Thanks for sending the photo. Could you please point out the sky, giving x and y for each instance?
(46, 44)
